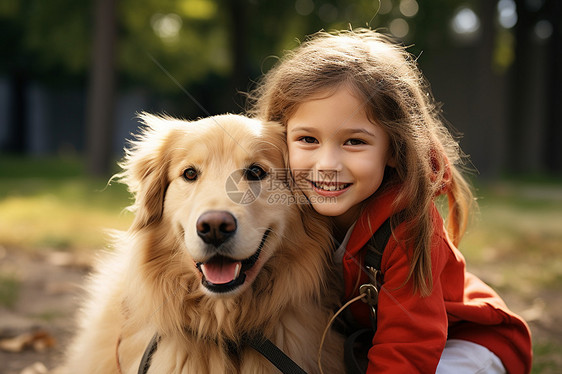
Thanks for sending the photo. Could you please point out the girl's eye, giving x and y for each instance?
(255, 173)
(308, 139)
(354, 142)
(190, 174)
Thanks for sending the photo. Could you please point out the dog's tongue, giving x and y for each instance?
(220, 271)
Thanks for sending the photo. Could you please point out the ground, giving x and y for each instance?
(48, 298)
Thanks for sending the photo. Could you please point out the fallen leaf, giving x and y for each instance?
(39, 340)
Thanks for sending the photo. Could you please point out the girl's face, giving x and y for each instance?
(337, 156)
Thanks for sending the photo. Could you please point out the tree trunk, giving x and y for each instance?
(18, 137)
(238, 44)
(101, 93)
(487, 112)
(553, 149)
(520, 86)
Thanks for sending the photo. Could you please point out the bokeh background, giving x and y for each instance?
(73, 75)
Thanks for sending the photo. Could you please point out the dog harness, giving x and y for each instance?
(258, 342)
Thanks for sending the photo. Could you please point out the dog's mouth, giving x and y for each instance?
(224, 274)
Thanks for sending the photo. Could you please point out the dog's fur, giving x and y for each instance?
(150, 283)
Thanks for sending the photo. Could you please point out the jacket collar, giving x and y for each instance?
(375, 213)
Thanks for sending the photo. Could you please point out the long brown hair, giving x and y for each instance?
(396, 97)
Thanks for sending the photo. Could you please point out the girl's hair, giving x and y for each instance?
(397, 97)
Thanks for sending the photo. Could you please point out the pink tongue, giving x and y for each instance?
(220, 272)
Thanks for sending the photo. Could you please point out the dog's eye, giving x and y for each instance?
(190, 174)
(255, 173)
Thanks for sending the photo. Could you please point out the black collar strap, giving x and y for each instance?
(276, 356)
(262, 345)
(147, 356)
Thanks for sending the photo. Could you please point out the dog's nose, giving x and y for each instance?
(216, 226)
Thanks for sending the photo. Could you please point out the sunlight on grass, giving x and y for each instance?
(52, 221)
(41, 210)
(521, 231)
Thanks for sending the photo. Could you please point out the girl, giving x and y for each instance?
(366, 143)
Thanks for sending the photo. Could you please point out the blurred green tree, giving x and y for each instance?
(52, 40)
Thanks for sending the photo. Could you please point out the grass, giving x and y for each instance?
(514, 243)
(9, 290)
(51, 204)
(547, 358)
(521, 225)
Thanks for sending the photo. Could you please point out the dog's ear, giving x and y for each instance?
(145, 168)
(275, 134)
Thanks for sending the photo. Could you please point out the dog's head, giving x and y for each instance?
(217, 188)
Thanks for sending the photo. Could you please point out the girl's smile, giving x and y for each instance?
(338, 154)
(329, 189)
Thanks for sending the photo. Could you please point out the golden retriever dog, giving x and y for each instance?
(219, 249)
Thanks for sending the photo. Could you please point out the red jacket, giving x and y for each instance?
(412, 330)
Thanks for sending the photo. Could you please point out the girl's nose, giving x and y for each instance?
(329, 159)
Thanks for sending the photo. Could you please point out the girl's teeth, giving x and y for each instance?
(330, 187)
